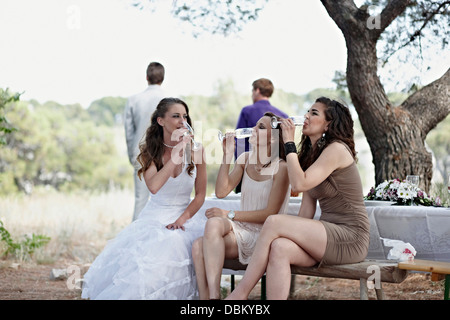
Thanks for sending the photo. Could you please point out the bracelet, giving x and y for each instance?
(289, 147)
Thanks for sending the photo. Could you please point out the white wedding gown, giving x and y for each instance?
(146, 260)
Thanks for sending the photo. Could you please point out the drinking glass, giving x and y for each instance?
(191, 131)
(414, 181)
(298, 121)
(240, 133)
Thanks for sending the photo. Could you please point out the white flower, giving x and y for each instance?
(403, 193)
(379, 193)
(400, 192)
(395, 185)
(382, 185)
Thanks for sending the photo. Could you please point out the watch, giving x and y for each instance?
(231, 214)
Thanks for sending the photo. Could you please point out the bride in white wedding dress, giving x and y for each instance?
(151, 257)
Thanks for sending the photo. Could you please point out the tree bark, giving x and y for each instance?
(396, 134)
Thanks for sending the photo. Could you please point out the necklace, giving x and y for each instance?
(259, 169)
(169, 146)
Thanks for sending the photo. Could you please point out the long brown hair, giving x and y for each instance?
(339, 128)
(151, 147)
(281, 151)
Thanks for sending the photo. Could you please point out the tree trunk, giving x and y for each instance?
(395, 134)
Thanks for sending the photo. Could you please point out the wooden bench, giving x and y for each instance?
(376, 271)
(439, 270)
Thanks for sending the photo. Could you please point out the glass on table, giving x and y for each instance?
(240, 133)
(298, 121)
(414, 181)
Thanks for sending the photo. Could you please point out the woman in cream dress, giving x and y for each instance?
(265, 191)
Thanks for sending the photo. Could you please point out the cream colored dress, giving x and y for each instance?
(254, 196)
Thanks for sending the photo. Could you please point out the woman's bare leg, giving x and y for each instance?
(283, 253)
(199, 266)
(308, 234)
(218, 243)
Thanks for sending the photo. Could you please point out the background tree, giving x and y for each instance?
(5, 126)
(395, 133)
(60, 146)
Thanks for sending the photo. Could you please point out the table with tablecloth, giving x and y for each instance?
(427, 229)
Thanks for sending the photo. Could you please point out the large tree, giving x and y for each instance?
(395, 133)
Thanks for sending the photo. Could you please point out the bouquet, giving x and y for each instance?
(403, 193)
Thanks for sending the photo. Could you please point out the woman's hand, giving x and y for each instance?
(216, 212)
(288, 127)
(183, 139)
(228, 143)
(179, 134)
(178, 224)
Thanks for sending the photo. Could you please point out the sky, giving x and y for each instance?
(77, 51)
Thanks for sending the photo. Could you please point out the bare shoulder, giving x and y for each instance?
(339, 151)
(337, 148)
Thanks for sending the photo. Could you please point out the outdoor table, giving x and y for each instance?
(427, 229)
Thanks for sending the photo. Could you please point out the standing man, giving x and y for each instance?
(249, 116)
(138, 111)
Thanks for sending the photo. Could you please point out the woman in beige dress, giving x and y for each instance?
(265, 191)
(325, 171)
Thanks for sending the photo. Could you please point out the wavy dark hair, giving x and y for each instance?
(151, 147)
(281, 152)
(340, 128)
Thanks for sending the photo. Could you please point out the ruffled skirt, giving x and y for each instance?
(146, 261)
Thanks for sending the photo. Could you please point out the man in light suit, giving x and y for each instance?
(138, 111)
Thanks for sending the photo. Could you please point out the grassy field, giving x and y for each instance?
(79, 224)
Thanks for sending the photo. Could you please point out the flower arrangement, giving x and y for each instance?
(402, 192)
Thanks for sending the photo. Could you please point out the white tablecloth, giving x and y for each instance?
(426, 228)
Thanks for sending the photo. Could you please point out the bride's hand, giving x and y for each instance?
(176, 225)
(178, 151)
(179, 134)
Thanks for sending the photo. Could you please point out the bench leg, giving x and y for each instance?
(363, 291)
(380, 293)
(263, 288)
(232, 283)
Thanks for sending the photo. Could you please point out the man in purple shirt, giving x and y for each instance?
(249, 116)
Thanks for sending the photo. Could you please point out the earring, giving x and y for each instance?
(321, 142)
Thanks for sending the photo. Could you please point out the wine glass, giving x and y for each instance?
(191, 131)
(414, 181)
(240, 133)
(298, 121)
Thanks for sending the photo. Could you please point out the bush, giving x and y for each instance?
(24, 249)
